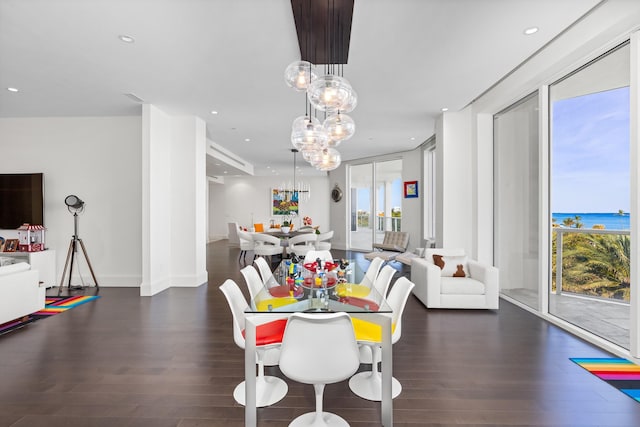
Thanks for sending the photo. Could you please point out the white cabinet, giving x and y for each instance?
(43, 261)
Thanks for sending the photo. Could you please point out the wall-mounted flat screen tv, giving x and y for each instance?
(21, 199)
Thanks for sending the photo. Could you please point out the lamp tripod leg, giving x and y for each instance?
(86, 257)
(73, 258)
(66, 265)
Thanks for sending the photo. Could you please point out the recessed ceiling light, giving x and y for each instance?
(247, 140)
(444, 109)
(268, 167)
(12, 89)
(127, 39)
(217, 164)
(530, 30)
(226, 172)
(413, 138)
(214, 112)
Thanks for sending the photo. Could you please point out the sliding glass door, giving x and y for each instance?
(376, 202)
(516, 223)
(361, 208)
(590, 188)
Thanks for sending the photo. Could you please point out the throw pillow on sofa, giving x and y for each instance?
(451, 266)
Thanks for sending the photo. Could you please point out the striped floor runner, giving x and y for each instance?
(620, 373)
(53, 305)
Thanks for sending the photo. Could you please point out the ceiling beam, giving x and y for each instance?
(324, 29)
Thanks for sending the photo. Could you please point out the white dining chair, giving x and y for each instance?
(269, 389)
(266, 245)
(368, 384)
(323, 241)
(314, 255)
(372, 272)
(319, 349)
(382, 282)
(246, 243)
(268, 280)
(301, 244)
(253, 280)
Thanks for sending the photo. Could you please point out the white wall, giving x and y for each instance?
(454, 198)
(97, 159)
(216, 220)
(248, 198)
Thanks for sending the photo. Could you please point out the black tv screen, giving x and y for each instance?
(21, 200)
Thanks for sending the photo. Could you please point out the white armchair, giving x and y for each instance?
(437, 288)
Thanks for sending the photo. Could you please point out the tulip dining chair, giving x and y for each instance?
(368, 385)
(383, 280)
(323, 255)
(381, 286)
(319, 349)
(372, 272)
(266, 274)
(254, 282)
(269, 389)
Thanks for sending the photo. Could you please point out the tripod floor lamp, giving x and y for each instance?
(75, 205)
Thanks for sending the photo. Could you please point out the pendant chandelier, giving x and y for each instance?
(330, 94)
(295, 191)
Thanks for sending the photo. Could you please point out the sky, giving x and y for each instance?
(397, 193)
(590, 153)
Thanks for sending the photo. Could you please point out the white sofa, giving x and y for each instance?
(21, 291)
(479, 290)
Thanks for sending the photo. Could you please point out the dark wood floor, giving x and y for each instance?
(170, 360)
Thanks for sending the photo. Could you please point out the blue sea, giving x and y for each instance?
(611, 221)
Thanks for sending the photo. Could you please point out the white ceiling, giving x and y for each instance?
(407, 60)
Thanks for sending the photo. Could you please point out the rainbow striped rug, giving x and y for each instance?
(620, 373)
(52, 306)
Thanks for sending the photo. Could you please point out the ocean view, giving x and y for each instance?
(611, 221)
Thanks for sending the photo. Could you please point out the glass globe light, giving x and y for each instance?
(308, 151)
(330, 93)
(311, 135)
(298, 74)
(302, 122)
(351, 103)
(339, 127)
(327, 159)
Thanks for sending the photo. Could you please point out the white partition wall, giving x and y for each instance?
(156, 201)
(174, 201)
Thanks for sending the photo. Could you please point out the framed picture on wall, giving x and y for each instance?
(410, 189)
(284, 202)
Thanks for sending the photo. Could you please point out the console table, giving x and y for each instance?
(43, 261)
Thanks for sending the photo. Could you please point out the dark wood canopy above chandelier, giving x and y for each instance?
(324, 29)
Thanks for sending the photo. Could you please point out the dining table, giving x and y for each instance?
(294, 293)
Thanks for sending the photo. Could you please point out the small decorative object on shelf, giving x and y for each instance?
(31, 238)
(307, 220)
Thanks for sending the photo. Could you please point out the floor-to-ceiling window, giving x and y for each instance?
(590, 197)
(429, 194)
(375, 202)
(516, 197)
